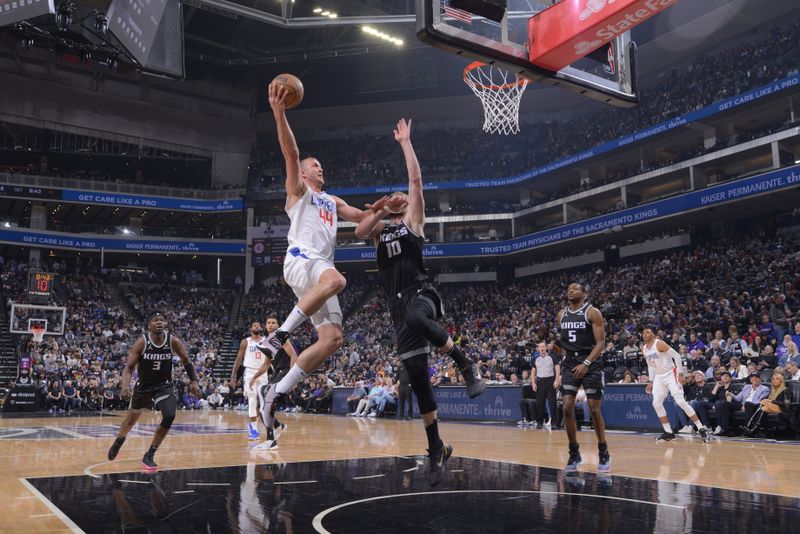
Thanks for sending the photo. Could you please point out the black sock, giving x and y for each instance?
(434, 441)
(275, 424)
(152, 450)
(270, 435)
(602, 446)
(459, 357)
(574, 447)
(121, 439)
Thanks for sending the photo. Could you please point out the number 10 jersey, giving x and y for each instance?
(400, 262)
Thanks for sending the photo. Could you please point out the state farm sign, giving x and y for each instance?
(567, 31)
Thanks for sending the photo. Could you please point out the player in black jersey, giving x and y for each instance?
(280, 364)
(151, 356)
(581, 336)
(414, 303)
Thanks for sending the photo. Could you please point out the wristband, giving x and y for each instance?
(190, 371)
(587, 362)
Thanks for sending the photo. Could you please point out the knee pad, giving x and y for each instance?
(417, 367)
(168, 408)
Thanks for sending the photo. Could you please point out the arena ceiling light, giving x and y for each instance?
(385, 36)
(325, 13)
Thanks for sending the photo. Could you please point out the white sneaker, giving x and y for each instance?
(268, 445)
(524, 422)
(686, 430)
(717, 431)
(547, 424)
(372, 414)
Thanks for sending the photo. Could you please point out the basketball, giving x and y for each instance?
(295, 88)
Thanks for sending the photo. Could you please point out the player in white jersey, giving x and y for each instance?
(308, 268)
(252, 358)
(665, 367)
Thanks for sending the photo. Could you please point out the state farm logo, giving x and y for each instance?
(584, 47)
(594, 6)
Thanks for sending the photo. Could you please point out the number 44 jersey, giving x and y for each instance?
(400, 262)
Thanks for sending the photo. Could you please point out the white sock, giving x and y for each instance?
(698, 424)
(296, 318)
(294, 376)
(667, 428)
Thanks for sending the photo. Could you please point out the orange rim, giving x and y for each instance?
(478, 64)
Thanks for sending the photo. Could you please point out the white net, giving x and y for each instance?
(500, 92)
(38, 333)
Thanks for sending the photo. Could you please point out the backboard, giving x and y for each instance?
(607, 74)
(24, 316)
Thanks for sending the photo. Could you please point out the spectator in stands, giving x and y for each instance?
(768, 358)
(766, 328)
(216, 401)
(697, 362)
(628, 378)
(358, 393)
(698, 395)
(793, 368)
(71, 398)
(747, 400)
(722, 396)
(779, 315)
(790, 354)
(796, 335)
(714, 364)
(55, 397)
(738, 371)
(777, 401)
(695, 343)
(387, 397)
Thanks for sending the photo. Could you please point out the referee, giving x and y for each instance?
(545, 378)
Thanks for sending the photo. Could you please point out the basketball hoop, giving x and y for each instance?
(500, 92)
(38, 333)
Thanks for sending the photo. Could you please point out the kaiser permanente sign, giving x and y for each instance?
(746, 187)
(702, 113)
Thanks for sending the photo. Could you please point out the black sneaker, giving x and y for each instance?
(666, 436)
(149, 462)
(436, 461)
(279, 401)
(115, 447)
(604, 465)
(472, 376)
(574, 461)
(705, 434)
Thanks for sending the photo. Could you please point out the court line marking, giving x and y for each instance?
(67, 432)
(133, 481)
(317, 521)
(52, 507)
(42, 515)
(368, 476)
(411, 469)
(295, 482)
(208, 483)
(184, 491)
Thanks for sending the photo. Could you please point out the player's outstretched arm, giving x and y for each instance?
(372, 223)
(133, 360)
(179, 348)
(415, 214)
(291, 153)
(348, 212)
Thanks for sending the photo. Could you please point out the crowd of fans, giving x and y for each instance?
(727, 305)
(451, 153)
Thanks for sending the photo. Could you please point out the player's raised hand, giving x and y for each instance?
(277, 97)
(397, 203)
(378, 205)
(402, 131)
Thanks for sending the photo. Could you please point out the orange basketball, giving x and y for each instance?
(295, 89)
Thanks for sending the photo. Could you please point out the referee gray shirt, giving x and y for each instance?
(545, 366)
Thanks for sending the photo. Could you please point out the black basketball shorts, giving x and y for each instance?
(592, 381)
(147, 397)
(410, 343)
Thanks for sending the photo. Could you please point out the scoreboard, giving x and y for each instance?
(40, 284)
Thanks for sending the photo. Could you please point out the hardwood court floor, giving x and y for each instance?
(52, 448)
